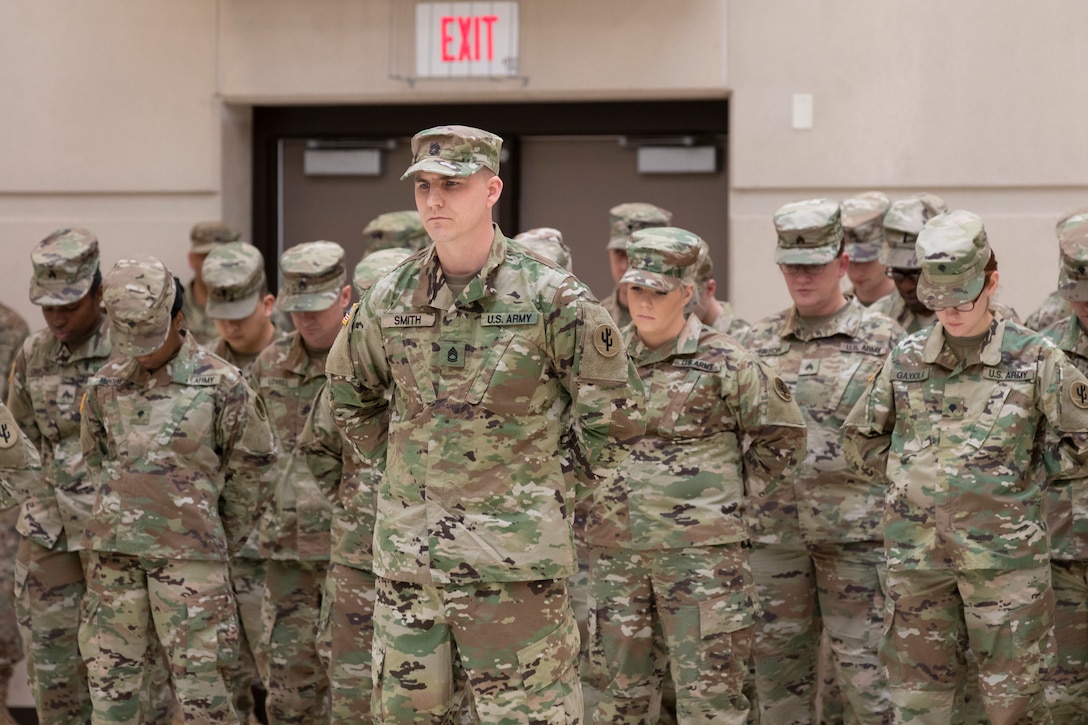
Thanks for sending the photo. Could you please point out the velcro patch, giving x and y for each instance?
(1005, 374)
(863, 348)
(212, 379)
(703, 365)
(408, 319)
(1078, 393)
(910, 376)
(502, 319)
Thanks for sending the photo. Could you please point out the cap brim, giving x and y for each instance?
(651, 280)
(125, 341)
(617, 243)
(203, 247)
(235, 310)
(312, 302)
(937, 296)
(819, 255)
(61, 294)
(1073, 290)
(863, 253)
(900, 259)
(444, 167)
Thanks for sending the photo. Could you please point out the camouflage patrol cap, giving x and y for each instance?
(403, 229)
(547, 243)
(628, 218)
(138, 295)
(64, 266)
(862, 225)
(313, 275)
(662, 258)
(953, 251)
(704, 267)
(1061, 222)
(903, 223)
(454, 151)
(376, 265)
(809, 232)
(233, 275)
(206, 236)
(1073, 243)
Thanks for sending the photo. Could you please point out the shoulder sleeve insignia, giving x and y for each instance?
(782, 389)
(606, 338)
(9, 430)
(1078, 393)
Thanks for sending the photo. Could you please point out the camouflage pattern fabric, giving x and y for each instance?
(517, 642)
(1053, 309)
(197, 321)
(187, 604)
(816, 536)
(959, 445)
(667, 525)
(13, 331)
(618, 311)
(454, 151)
(729, 323)
(347, 635)
(395, 229)
(47, 384)
(896, 308)
(527, 358)
(247, 577)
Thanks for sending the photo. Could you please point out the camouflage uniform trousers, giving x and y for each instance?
(1067, 680)
(298, 685)
(836, 586)
(247, 578)
(347, 640)
(692, 610)
(187, 605)
(934, 615)
(11, 646)
(48, 589)
(517, 642)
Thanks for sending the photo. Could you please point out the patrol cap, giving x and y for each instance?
(64, 266)
(1073, 243)
(953, 251)
(138, 295)
(395, 229)
(548, 243)
(863, 225)
(1061, 222)
(206, 236)
(903, 223)
(662, 258)
(313, 275)
(233, 275)
(809, 232)
(628, 218)
(454, 151)
(376, 265)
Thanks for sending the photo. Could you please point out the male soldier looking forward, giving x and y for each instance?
(204, 237)
(47, 383)
(511, 397)
(623, 220)
(816, 540)
(175, 443)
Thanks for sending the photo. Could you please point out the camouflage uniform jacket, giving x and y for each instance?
(895, 307)
(959, 447)
(220, 347)
(47, 384)
(716, 417)
(355, 484)
(827, 366)
(508, 403)
(174, 455)
(20, 465)
(729, 323)
(13, 331)
(1067, 505)
(197, 322)
(1054, 309)
(620, 314)
(295, 523)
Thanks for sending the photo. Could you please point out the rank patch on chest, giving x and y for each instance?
(809, 367)
(452, 354)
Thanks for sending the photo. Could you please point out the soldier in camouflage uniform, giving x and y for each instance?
(47, 381)
(712, 311)
(816, 539)
(1056, 307)
(511, 397)
(1067, 507)
(902, 224)
(862, 218)
(203, 237)
(241, 307)
(13, 331)
(395, 229)
(624, 219)
(548, 243)
(669, 574)
(293, 535)
(376, 265)
(953, 425)
(175, 443)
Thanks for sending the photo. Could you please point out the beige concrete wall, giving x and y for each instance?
(971, 100)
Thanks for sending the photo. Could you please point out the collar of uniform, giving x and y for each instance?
(991, 346)
(297, 360)
(96, 346)
(686, 343)
(478, 287)
(847, 321)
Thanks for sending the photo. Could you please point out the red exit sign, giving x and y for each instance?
(466, 39)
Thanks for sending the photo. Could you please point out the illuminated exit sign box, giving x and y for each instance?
(467, 40)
